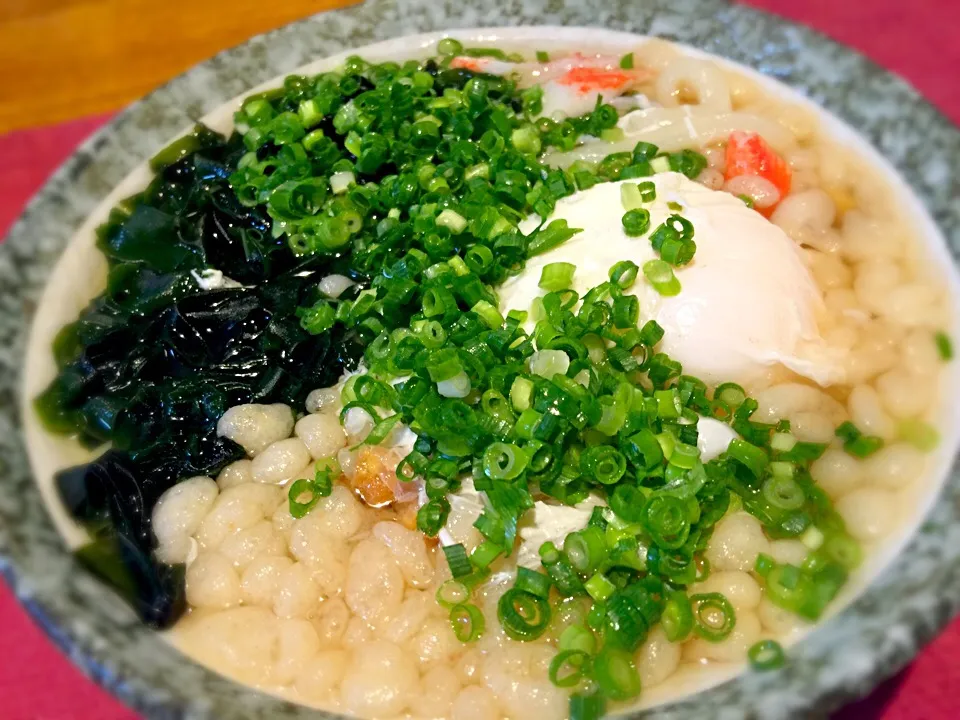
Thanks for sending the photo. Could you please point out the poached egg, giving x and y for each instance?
(747, 301)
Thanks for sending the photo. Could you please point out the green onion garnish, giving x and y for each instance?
(585, 549)
(533, 582)
(944, 346)
(630, 196)
(919, 434)
(856, 443)
(636, 222)
(660, 275)
(688, 162)
(587, 707)
(714, 618)
(457, 560)
(578, 637)
(557, 276)
(452, 593)
(615, 674)
(467, 621)
(766, 655)
(321, 486)
(624, 274)
(450, 47)
(677, 618)
(626, 62)
(568, 668)
(524, 616)
(543, 56)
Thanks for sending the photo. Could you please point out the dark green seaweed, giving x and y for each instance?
(154, 361)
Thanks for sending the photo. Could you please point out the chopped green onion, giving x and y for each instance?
(547, 363)
(764, 564)
(320, 486)
(468, 622)
(532, 582)
(503, 461)
(626, 62)
(568, 667)
(543, 56)
(457, 386)
(615, 674)
(524, 616)
(630, 196)
(783, 493)
(526, 139)
(731, 394)
(666, 519)
(660, 164)
(754, 458)
(944, 346)
(599, 587)
(782, 442)
(629, 613)
(677, 618)
(432, 516)
(449, 47)
(452, 220)
(577, 637)
(520, 393)
(612, 135)
(856, 443)
(626, 311)
(551, 236)
(843, 549)
(919, 434)
(813, 537)
(317, 319)
(557, 276)
(651, 333)
(479, 258)
(586, 549)
(660, 275)
(604, 464)
(452, 593)
(624, 274)
(644, 152)
(587, 707)
(713, 615)
(636, 222)
(457, 560)
(688, 162)
(340, 182)
(766, 655)
(489, 313)
(485, 553)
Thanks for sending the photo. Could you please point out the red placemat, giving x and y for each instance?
(920, 40)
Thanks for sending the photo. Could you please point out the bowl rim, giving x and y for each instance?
(87, 649)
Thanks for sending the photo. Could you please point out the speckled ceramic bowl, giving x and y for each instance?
(914, 593)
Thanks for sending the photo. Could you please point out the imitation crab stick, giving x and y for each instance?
(749, 154)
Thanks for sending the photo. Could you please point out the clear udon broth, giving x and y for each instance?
(337, 610)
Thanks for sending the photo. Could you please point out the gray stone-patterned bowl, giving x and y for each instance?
(844, 658)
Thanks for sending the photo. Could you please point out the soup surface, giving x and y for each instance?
(650, 365)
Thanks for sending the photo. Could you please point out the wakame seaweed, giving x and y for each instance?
(155, 360)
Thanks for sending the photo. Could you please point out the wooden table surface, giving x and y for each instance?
(61, 59)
